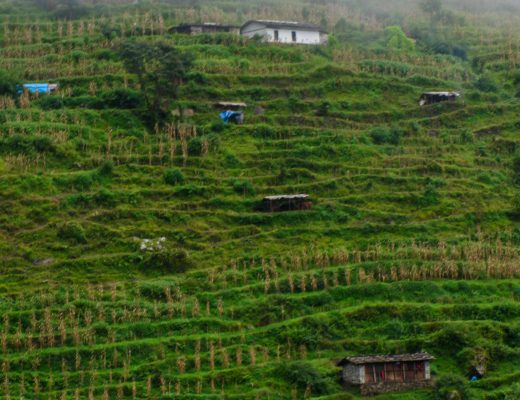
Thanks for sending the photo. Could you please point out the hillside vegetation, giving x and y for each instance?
(135, 262)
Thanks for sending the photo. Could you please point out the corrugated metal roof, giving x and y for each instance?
(287, 197)
(386, 358)
(442, 93)
(230, 104)
(285, 24)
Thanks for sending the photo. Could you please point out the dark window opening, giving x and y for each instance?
(294, 36)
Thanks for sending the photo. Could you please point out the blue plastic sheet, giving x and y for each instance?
(235, 116)
(37, 88)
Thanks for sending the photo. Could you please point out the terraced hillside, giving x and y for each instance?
(412, 242)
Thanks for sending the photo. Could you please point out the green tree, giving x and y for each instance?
(516, 169)
(305, 13)
(161, 69)
(69, 9)
(432, 7)
(341, 26)
(396, 39)
(7, 84)
(514, 394)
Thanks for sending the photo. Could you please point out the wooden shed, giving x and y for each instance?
(387, 373)
(207, 27)
(293, 202)
(437, 97)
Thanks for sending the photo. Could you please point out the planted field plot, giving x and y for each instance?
(139, 260)
(227, 332)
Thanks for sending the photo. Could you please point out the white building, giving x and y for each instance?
(284, 32)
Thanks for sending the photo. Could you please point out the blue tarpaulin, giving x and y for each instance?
(37, 88)
(235, 116)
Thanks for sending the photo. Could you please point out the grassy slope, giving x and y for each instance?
(430, 251)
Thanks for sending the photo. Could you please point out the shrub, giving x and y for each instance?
(105, 198)
(381, 135)
(173, 177)
(196, 145)
(122, 98)
(7, 84)
(82, 181)
(191, 190)
(106, 169)
(430, 197)
(84, 102)
(515, 212)
(77, 55)
(455, 338)
(243, 187)
(170, 260)
(302, 375)
(105, 54)
(197, 77)
(486, 84)
(396, 39)
(264, 131)
(514, 394)
(218, 126)
(51, 102)
(73, 232)
(516, 169)
(295, 104)
(27, 144)
(323, 109)
(450, 387)
(231, 161)
(111, 32)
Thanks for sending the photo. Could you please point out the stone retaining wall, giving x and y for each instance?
(371, 389)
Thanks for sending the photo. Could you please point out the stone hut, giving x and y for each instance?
(390, 373)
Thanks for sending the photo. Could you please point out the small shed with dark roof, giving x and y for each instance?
(293, 202)
(207, 27)
(387, 373)
(284, 32)
(437, 97)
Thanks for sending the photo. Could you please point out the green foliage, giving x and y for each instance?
(410, 243)
(382, 135)
(486, 84)
(430, 196)
(243, 187)
(70, 9)
(160, 70)
(72, 232)
(516, 168)
(302, 374)
(122, 98)
(514, 394)
(431, 7)
(106, 169)
(51, 102)
(173, 176)
(451, 387)
(168, 260)
(106, 198)
(323, 109)
(8, 83)
(396, 39)
(197, 146)
(19, 144)
(295, 104)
